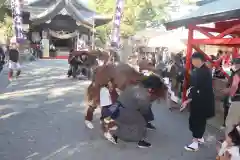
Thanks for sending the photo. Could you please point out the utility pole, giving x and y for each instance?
(93, 33)
(16, 6)
(115, 38)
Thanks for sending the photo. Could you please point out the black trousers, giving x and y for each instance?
(197, 125)
(72, 71)
(226, 106)
(226, 110)
(149, 116)
(1, 66)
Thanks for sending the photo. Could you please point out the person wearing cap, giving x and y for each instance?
(233, 91)
(200, 99)
(132, 112)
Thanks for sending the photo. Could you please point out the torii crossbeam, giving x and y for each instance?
(225, 15)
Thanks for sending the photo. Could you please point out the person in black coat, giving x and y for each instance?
(2, 58)
(200, 99)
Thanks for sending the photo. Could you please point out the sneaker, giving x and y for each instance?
(150, 126)
(201, 141)
(222, 127)
(111, 138)
(89, 124)
(144, 144)
(223, 148)
(192, 147)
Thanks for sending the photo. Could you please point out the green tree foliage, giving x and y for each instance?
(8, 26)
(6, 22)
(3, 11)
(2, 2)
(107, 7)
(153, 14)
(190, 1)
(136, 14)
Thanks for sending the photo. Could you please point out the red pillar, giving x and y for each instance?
(235, 52)
(188, 62)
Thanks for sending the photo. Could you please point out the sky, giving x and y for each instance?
(86, 2)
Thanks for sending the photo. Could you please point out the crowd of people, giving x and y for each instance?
(130, 115)
(74, 63)
(229, 149)
(127, 115)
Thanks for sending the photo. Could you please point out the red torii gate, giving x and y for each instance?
(224, 28)
(227, 22)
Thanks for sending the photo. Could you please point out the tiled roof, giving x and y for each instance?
(48, 9)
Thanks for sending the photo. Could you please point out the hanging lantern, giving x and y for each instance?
(116, 25)
(16, 6)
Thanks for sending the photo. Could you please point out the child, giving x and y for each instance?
(14, 61)
(230, 148)
(108, 96)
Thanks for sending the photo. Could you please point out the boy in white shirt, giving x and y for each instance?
(106, 101)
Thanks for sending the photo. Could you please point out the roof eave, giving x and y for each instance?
(223, 16)
(203, 2)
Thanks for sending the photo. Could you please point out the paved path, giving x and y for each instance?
(41, 118)
(3, 79)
